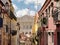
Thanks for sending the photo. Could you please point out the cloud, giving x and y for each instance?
(19, 0)
(21, 12)
(36, 2)
(35, 7)
(12, 0)
(32, 12)
(28, 1)
(15, 7)
(24, 12)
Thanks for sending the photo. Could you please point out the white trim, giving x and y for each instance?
(50, 30)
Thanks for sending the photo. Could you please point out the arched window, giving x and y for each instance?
(52, 8)
(49, 9)
(52, 4)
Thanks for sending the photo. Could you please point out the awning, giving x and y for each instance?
(12, 15)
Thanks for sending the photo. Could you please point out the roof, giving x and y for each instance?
(44, 6)
(26, 18)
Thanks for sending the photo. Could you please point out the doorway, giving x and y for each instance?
(58, 38)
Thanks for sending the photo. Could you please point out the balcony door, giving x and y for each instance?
(58, 38)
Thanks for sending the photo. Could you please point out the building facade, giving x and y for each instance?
(50, 23)
(26, 23)
(6, 18)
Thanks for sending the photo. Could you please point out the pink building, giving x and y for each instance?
(50, 23)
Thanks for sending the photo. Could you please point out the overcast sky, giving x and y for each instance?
(27, 7)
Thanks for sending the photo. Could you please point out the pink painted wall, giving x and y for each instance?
(51, 25)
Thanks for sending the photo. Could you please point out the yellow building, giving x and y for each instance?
(35, 26)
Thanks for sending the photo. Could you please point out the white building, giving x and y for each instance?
(26, 23)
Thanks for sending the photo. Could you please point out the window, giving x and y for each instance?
(46, 11)
(49, 9)
(6, 28)
(49, 33)
(23, 26)
(30, 26)
(26, 32)
(45, 20)
(52, 7)
(52, 11)
(52, 36)
(27, 27)
(52, 4)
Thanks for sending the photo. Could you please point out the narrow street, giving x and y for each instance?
(29, 22)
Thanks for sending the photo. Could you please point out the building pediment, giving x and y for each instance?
(26, 18)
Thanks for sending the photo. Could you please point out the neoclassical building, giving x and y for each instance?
(49, 16)
(26, 23)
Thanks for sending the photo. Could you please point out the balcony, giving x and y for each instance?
(56, 16)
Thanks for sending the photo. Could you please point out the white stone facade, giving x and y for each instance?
(26, 23)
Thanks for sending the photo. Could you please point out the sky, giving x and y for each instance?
(27, 7)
